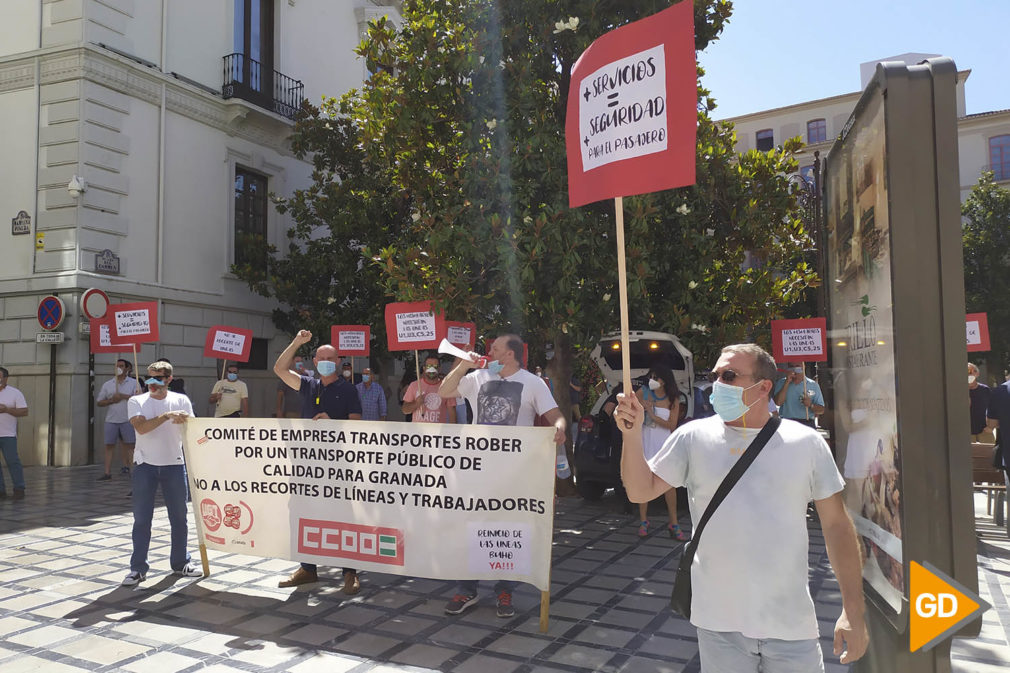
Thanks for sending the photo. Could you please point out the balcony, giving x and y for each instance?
(247, 79)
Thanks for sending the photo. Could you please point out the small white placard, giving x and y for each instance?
(499, 546)
(352, 340)
(415, 327)
(802, 342)
(622, 109)
(133, 323)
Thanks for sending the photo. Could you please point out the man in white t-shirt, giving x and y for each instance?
(158, 417)
(113, 396)
(751, 600)
(502, 394)
(12, 407)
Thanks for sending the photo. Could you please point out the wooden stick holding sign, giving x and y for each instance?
(622, 287)
(417, 370)
(135, 368)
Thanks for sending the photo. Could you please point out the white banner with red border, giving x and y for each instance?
(800, 340)
(632, 109)
(351, 340)
(451, 502)
(413, 326)
(977, 332)
(228, 343)
(135, 322)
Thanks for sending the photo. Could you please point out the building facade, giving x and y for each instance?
(983, 138)
(169, 123)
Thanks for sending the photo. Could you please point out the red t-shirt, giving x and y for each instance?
(433, 409)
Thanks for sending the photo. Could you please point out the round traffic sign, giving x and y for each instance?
(51, 312)
(94, 303)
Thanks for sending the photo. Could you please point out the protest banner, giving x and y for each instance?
(977, 329)
(352, 340)
(101, 337)
(228, 343)
(631, 122)
(448, 502)
(413, 326)
(461, 334)
(800, 340)
(134, 323)
(632, 110)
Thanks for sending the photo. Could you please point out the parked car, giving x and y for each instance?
(598, 449)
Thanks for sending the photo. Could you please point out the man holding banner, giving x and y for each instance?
(329, 396)
(158, 416)
(502, 394)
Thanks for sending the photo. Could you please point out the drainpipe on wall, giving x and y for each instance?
(160, 224)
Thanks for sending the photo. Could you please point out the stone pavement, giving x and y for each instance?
(64, 551)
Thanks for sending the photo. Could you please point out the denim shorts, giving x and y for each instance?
(117, 431)
(732, 652)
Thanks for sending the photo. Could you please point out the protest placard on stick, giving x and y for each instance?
(631, 122)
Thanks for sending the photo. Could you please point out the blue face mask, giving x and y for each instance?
(728, 401)
(366, 377)
(299, 366)
(495, 367)
(232, 376)
(326, 368)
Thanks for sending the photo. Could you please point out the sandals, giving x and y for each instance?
(643, 530)
(677, 534)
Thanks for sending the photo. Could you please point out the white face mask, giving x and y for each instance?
(347, 373)
(119, 371)
(971, 379)
(654, 384)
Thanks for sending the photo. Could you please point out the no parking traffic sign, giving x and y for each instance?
(51, 312)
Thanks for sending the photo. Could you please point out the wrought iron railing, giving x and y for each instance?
(247, 79)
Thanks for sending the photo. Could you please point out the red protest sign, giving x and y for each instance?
(228, 343)
(101, 337)
(801, 340)
(632, 110)
(461, 334)
(413, 326)
(134, 323)
(353, 340)
(977, 327)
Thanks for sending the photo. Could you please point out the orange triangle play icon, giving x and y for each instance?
(940, 606)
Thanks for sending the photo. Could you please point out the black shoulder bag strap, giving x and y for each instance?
(681, 601)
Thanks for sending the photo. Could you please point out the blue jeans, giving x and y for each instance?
(146, 479)
(469, 587)
(9, 449)
(733, 652)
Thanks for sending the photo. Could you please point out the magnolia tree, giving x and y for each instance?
(986, 229)
(449, 167)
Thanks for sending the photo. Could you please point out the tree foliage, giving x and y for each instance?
(986, 227)
(449, 166)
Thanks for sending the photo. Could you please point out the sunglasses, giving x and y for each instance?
(727, 376)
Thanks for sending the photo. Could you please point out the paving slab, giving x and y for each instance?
(64, 550)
